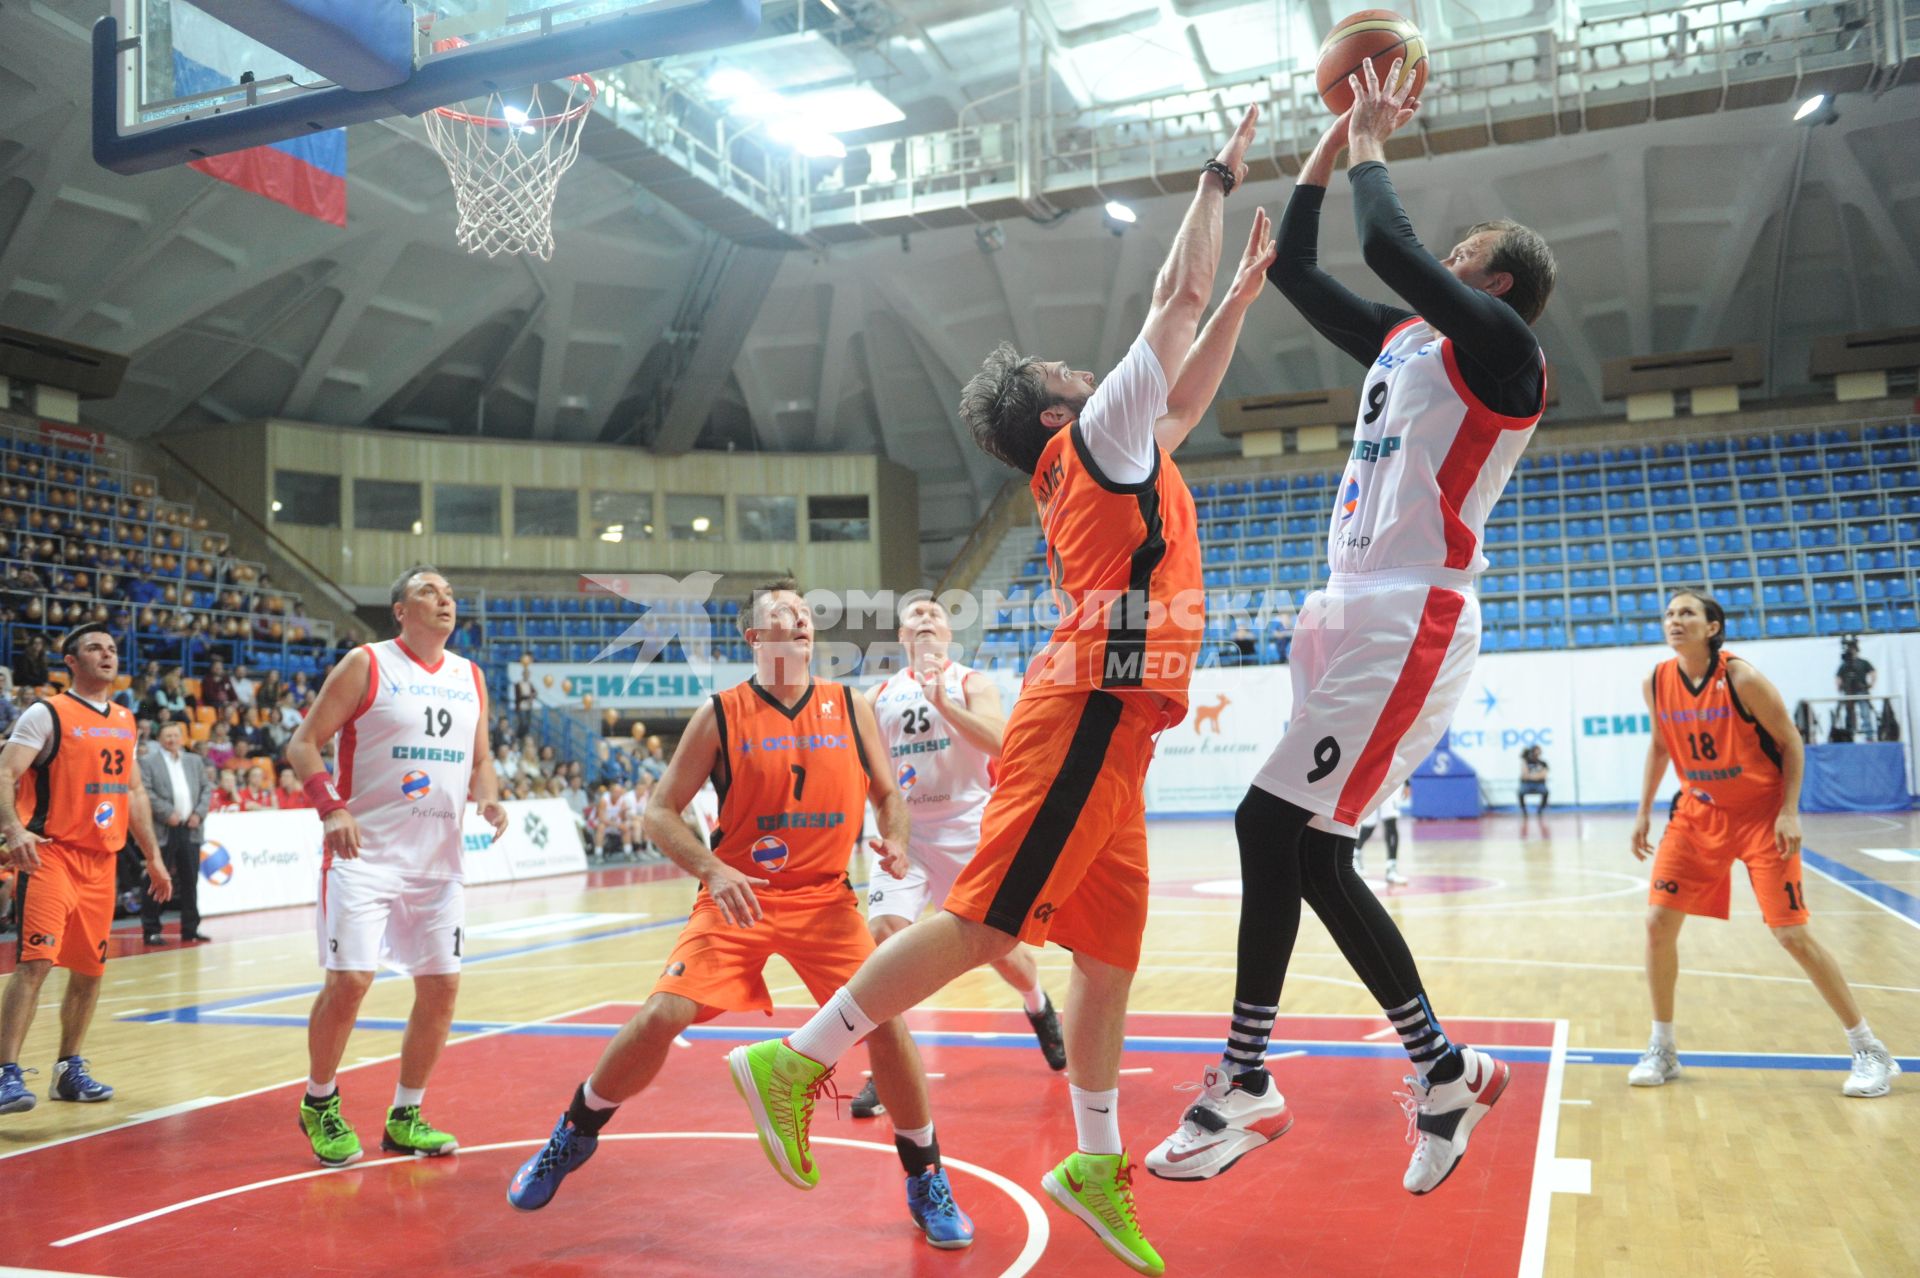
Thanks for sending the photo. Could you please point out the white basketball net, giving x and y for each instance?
(506, 157)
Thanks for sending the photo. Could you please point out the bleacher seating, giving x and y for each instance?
(1800, 532)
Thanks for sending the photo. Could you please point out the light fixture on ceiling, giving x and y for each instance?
(809, 121)
(701, 523)
(1119, 217)
(991, 238)
(1818, 109)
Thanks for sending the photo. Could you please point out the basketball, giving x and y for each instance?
(1376, 35)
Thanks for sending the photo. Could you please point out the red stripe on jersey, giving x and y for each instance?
(1479, 431)
(1398, 329)
(347, 733)
(401, 644)
(1438, 620)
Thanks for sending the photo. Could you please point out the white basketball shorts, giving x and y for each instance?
(372, 916)
(1378, 667)
(933, 864)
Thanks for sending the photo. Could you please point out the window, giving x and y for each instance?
(466, 508)
(696, 517)
(620, 516)
(838, 519)
(386, 505)
(302, 497)
(768, 518)
(546, 512)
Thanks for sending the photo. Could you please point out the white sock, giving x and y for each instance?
(407, 1095)
(1096, 1121)
(834, 1028)
(1663, 1034)
(921, 1136)
(320, 1091)
(1860, 1038)
(595, 1101)
(1035, 999)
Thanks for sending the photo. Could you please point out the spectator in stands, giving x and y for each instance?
(289, 714)
(523, 696)
(256, 797)
(226, 795)
(9, 712)
(653, 764)
(607, 769)
(1533, 778)
(302, 690)
(506, 764)
(267, 695)
(523, 787)
(243, 687)
(134, 694)
(219, 749)
(30, 664)
(290, 794)
(171, 697)
(216, 689)
(549, 762)
(529, 753)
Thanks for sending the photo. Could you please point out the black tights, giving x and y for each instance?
(1282, 864)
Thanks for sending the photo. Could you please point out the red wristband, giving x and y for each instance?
(319, 788)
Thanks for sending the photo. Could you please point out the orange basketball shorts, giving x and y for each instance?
(820, 932)
(66, 909)
(1693, 868)
(1063, 842)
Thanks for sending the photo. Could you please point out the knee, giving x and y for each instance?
(669, 1013)
(33, 972)
(1663, 926)
(988, 944)
(1796, 940)
(351, 986)
(884, 926)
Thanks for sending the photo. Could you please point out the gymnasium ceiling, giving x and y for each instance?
(234, 308)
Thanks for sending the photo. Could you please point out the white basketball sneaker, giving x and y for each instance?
(1440, 1116)
(1394, 877)
(1873, 1071)
(1228, 1122)
(1657, 1065)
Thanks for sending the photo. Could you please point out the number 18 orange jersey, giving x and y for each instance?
(792, 785)
(1722, 755)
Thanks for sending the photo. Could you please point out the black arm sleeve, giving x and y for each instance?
(1499, 355)
(1344, 318)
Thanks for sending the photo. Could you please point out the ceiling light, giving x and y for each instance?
(701, 523)
(1121, 213)
(276, 506)
(514, 115)
(1811, 105)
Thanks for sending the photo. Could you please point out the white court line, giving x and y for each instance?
(1037, 1226)
(1287, 1056)
(1144, 1011)
(1138, 1069)
(1572, 1101)
(1383, 1032)
(1902, 856)
(1863, 896)
(1533, 1251)
(151, 1115)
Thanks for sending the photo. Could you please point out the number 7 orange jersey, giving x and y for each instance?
(1721, 753)
(792, 785)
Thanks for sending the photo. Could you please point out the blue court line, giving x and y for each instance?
(1902, 903)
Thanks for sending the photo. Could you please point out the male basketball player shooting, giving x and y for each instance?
(71, 761)
(795, 760)
(1739, 760)
(943, 727)
(412, 722)
(1063, 844)
(1381, 657)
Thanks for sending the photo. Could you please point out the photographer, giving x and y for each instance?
(1854, 678)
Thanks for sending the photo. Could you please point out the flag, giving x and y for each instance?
(307, 173)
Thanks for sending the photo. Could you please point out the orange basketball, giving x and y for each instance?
(1376, 35)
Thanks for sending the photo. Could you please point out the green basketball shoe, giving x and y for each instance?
(1098, 1190)
(780, 1087)
(334, 1143)
(408, 1133)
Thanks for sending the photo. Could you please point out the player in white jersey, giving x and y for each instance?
(942, 724)
(412, 722)
(1381, 657)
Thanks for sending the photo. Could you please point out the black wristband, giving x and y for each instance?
(1225, 174)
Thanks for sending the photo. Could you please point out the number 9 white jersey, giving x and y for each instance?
(406, 760)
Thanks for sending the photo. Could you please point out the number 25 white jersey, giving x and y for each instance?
(942, 774)
(406, 760)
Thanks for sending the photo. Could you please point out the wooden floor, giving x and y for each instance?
(1752, 1164)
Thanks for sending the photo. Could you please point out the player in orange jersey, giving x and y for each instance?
(1739, 759)
(1063, 841)
(795, 761)
(69, 789)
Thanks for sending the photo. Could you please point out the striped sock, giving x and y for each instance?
(1247, 1040)
(1420, 1034)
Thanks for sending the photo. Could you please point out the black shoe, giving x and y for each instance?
(153, 938)
(1046, 1028)
(197, 936)
(867, 1103)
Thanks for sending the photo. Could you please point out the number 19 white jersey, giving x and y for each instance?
(406, 760)
(1429, 461)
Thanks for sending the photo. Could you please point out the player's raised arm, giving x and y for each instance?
(1185, 284)
(1206, 363)
(1656, 768)
(692, 763)
(889, 805)
(1763, 701)
(981, 720)
(346, 690)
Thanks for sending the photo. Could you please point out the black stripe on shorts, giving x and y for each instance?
(1047, 835)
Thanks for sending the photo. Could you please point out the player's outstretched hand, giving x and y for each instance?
(893, 856)
(1786, 834)
(22, 850)
(1642, 849)
(340, 835)
(1378, 110)
(1251, 278)
(732, 891)
(496, 816)
(159, 882)
(1234, 153)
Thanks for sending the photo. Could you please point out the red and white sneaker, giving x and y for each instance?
(1228, 1122)
(1440, 1116)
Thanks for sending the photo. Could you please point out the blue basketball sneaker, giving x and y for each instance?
(71, 1082)
(14, 1096)
(538, 1179)
(930, 1201)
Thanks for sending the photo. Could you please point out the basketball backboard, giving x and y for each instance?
(174, 82)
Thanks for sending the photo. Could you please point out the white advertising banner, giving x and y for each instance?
(616, 684)
(1206, 762)
(268, 860)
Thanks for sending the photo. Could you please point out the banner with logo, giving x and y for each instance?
(1206, 762)
(269, 860)
(658, 685)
